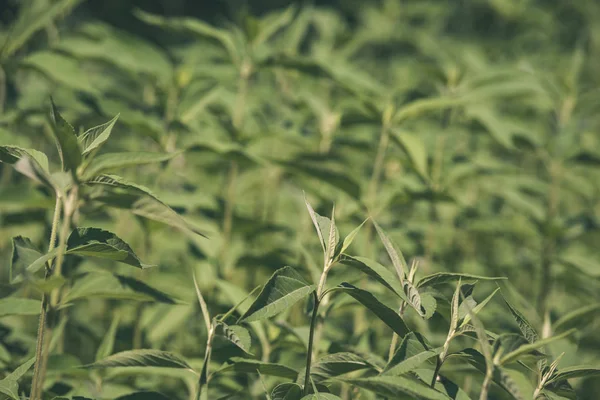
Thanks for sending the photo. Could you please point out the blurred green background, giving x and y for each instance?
(468, 129)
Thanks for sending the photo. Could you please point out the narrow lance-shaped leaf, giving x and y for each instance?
(390, 317)
(580, 371)
(376, 271)
(440, 278)
(9, 386)
(253, 366)
(337, 364)
(114, 286)
(397, 387)
(116, 192)
(314, 217)
(110, 161)
(283, 290)
(19, 306)
(412, 352)
(395, 255)
(577, 317)
(141, 358)
(525, 326)
(95, 242)
(29, 22)
(414, 148)
(108, 342)
(68, 146)
(350, 238)
(95, 137)
(475, 310)
(527, 348)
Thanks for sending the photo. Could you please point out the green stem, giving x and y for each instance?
(311, 338)
(318, 294)
(50, 302)
(2, 89)
(36, 386)
(483, 395)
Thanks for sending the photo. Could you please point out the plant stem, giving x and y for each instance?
(2, 89)
(49, 302)
(311, 338)
(442, 357)
(313, 322)
(483, 395)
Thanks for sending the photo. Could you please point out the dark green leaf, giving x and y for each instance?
(247, 365)
(141, 358)
(95, 137)
(412, 352)
(440, 278)
(116, 192)
(398, 387)
(283, 290)
(68, 146)
(390, 317)
(337, 364)
(95, 242)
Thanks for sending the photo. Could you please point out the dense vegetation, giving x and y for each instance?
(348, 200)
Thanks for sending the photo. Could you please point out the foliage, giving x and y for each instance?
(162, 161)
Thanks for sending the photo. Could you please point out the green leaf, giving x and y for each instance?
(500, 377)
(579, 371)
(110, 161)
(315, 219)
(350, 238)
(247, 365)
(527, 329)
(196, 26)
(108, 342)
(95, 242)
(287, 391)
(95, 137)
(141, 358)
(578, 317)
(440, 278)
(116, 192)
(23, 255)
(12, 154)
(376, 271)
(321, 396)
(114, 286)
(31, 20)
(68, 146)
(146, 395)
(31, 163)
(19, 306)
(9, 385)
(476, 309)
(397, 387)
(586, 264)
(394, 253)
(415, 149)
(238, 335)
(283, 290)
(528, 348)
(412, 352)
(337, 364)
(390, 317)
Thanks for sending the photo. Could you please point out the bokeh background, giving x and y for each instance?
(468, 129)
